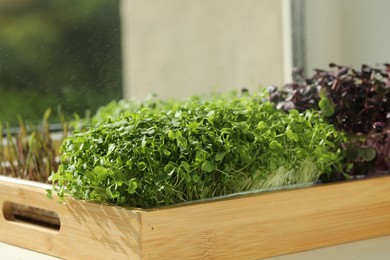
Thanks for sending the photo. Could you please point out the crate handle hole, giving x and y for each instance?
(21, 213)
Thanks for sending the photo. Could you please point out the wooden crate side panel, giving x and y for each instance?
(270, 224)
(88, 230)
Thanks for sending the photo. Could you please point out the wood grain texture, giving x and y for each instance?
(270, 224)
(88, 230)
(246, 227)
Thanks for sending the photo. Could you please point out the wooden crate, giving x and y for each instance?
(243, 227)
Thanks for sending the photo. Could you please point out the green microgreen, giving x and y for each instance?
(196, 149)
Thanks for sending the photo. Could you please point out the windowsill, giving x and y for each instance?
(376, 248)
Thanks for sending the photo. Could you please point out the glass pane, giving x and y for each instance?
(58, 53)
(326, 31)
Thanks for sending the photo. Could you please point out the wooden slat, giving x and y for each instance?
(248, 227)
(270, 224)
(87, 231)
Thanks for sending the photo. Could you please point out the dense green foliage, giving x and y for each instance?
(55, 52)
(356, 101)
(115, 109)
(195, 150)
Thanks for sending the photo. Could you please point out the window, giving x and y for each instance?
(58, 54)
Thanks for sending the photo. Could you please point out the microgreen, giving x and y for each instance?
(356, 102)
(30, 153)
(195, 149)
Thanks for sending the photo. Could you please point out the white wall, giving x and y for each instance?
(347, 32)
(178, 48)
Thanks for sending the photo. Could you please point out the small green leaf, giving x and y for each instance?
(132, 186)
(181, 141)
(291, 135)
(208, 166)
(143, 141)
(367, 153)
(171, 135)
(111, 148)
(196, 178)
(169, 168)
(194, 126)
(185, 165)
(200, 156)
(142, 166)
(326, 107)
(174, 134)
(262, 125)
(101, 173)
(219, 156)
(177, 134)
(275, 145)
(323, 93)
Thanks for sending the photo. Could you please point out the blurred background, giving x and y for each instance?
(58, 53)
(80, 55)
